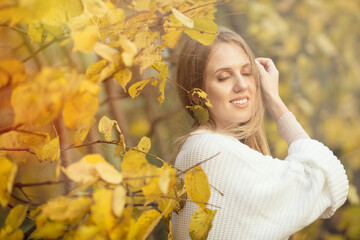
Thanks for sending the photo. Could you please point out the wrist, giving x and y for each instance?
(276, 107)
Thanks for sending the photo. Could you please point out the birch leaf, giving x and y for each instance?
(16, 216)
(82, 131)
(105, 127)
(123, 77)
(204, 31)
(188, 22)
(201, 223)
(145, 224)
(50, 150)
(7, 175)
(197, 186)
(108, 53)
(85, 39)
(95, 68)
(108, 173)
(201, 114)
(119, 199)
(136, 88)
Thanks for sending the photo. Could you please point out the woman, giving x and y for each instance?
(263, 197)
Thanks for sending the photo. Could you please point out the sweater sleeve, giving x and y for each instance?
(263, 197)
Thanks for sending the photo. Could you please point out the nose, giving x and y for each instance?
(240, 84)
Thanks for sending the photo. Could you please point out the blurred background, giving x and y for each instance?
(315, 44)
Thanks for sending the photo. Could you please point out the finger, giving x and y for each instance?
(268, 65)
(260, 67)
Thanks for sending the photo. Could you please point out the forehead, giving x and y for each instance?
(226, 55)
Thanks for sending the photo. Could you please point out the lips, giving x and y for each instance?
(240, 102)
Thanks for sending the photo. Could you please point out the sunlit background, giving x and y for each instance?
(314, 43)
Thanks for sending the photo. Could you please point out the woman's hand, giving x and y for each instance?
(269, 82)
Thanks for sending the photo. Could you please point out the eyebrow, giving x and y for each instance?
(227, 68)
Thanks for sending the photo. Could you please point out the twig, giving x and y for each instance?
(88, 144)
(21, 185)
(17, 150)
(198, 164)
(216, 189)
(41, 48)
(189, 200)
(113, 99)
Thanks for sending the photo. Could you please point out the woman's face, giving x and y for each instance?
(230, 85)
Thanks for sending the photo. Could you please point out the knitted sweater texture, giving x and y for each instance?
(263, 197)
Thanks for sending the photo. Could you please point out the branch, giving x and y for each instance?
(88, 144)
(17, 150)
(108, 99)
(21, 185)
(41, 48)
(182, 172)
(14, 28)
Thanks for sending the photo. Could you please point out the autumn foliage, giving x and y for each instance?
(56, 104)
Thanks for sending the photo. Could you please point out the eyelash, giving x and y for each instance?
(244, 74)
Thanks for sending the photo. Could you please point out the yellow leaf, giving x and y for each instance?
(15, 235)
(204, 31)
(7, 175)
(50, 150)
(197, 186)
(50, 230)
(129, 51)
(145, 39)
(79, 109)
(108, 53)
(35, 31)
(101, 211)
(81, 173)
(16, 216)
(124, 225)
(93, 158)
(162, 68)
(96, 8)
(94, 69)
(39, 101)
(188, 22)
(136, 88)
(123, 77)
(86, 232)
(202, 95)
(111, 22)
(118, 201)
(65, 209)
(145, 224)
(146, 58)
(85, 39)
(105, 127)
(108, 173)
(144, 145)
(201, 223)
(134, 165)
(152, 190)
(12, 69)
(201, 114)
(82, 131)
(61, 11)
(142, 5)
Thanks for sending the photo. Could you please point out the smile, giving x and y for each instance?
(242, 101)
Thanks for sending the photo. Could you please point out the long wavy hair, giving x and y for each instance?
(192, 63)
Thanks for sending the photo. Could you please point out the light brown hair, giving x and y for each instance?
(190, 74)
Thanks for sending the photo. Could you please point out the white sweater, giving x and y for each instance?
(264, 197)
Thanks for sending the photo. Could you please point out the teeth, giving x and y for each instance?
(242, 101)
